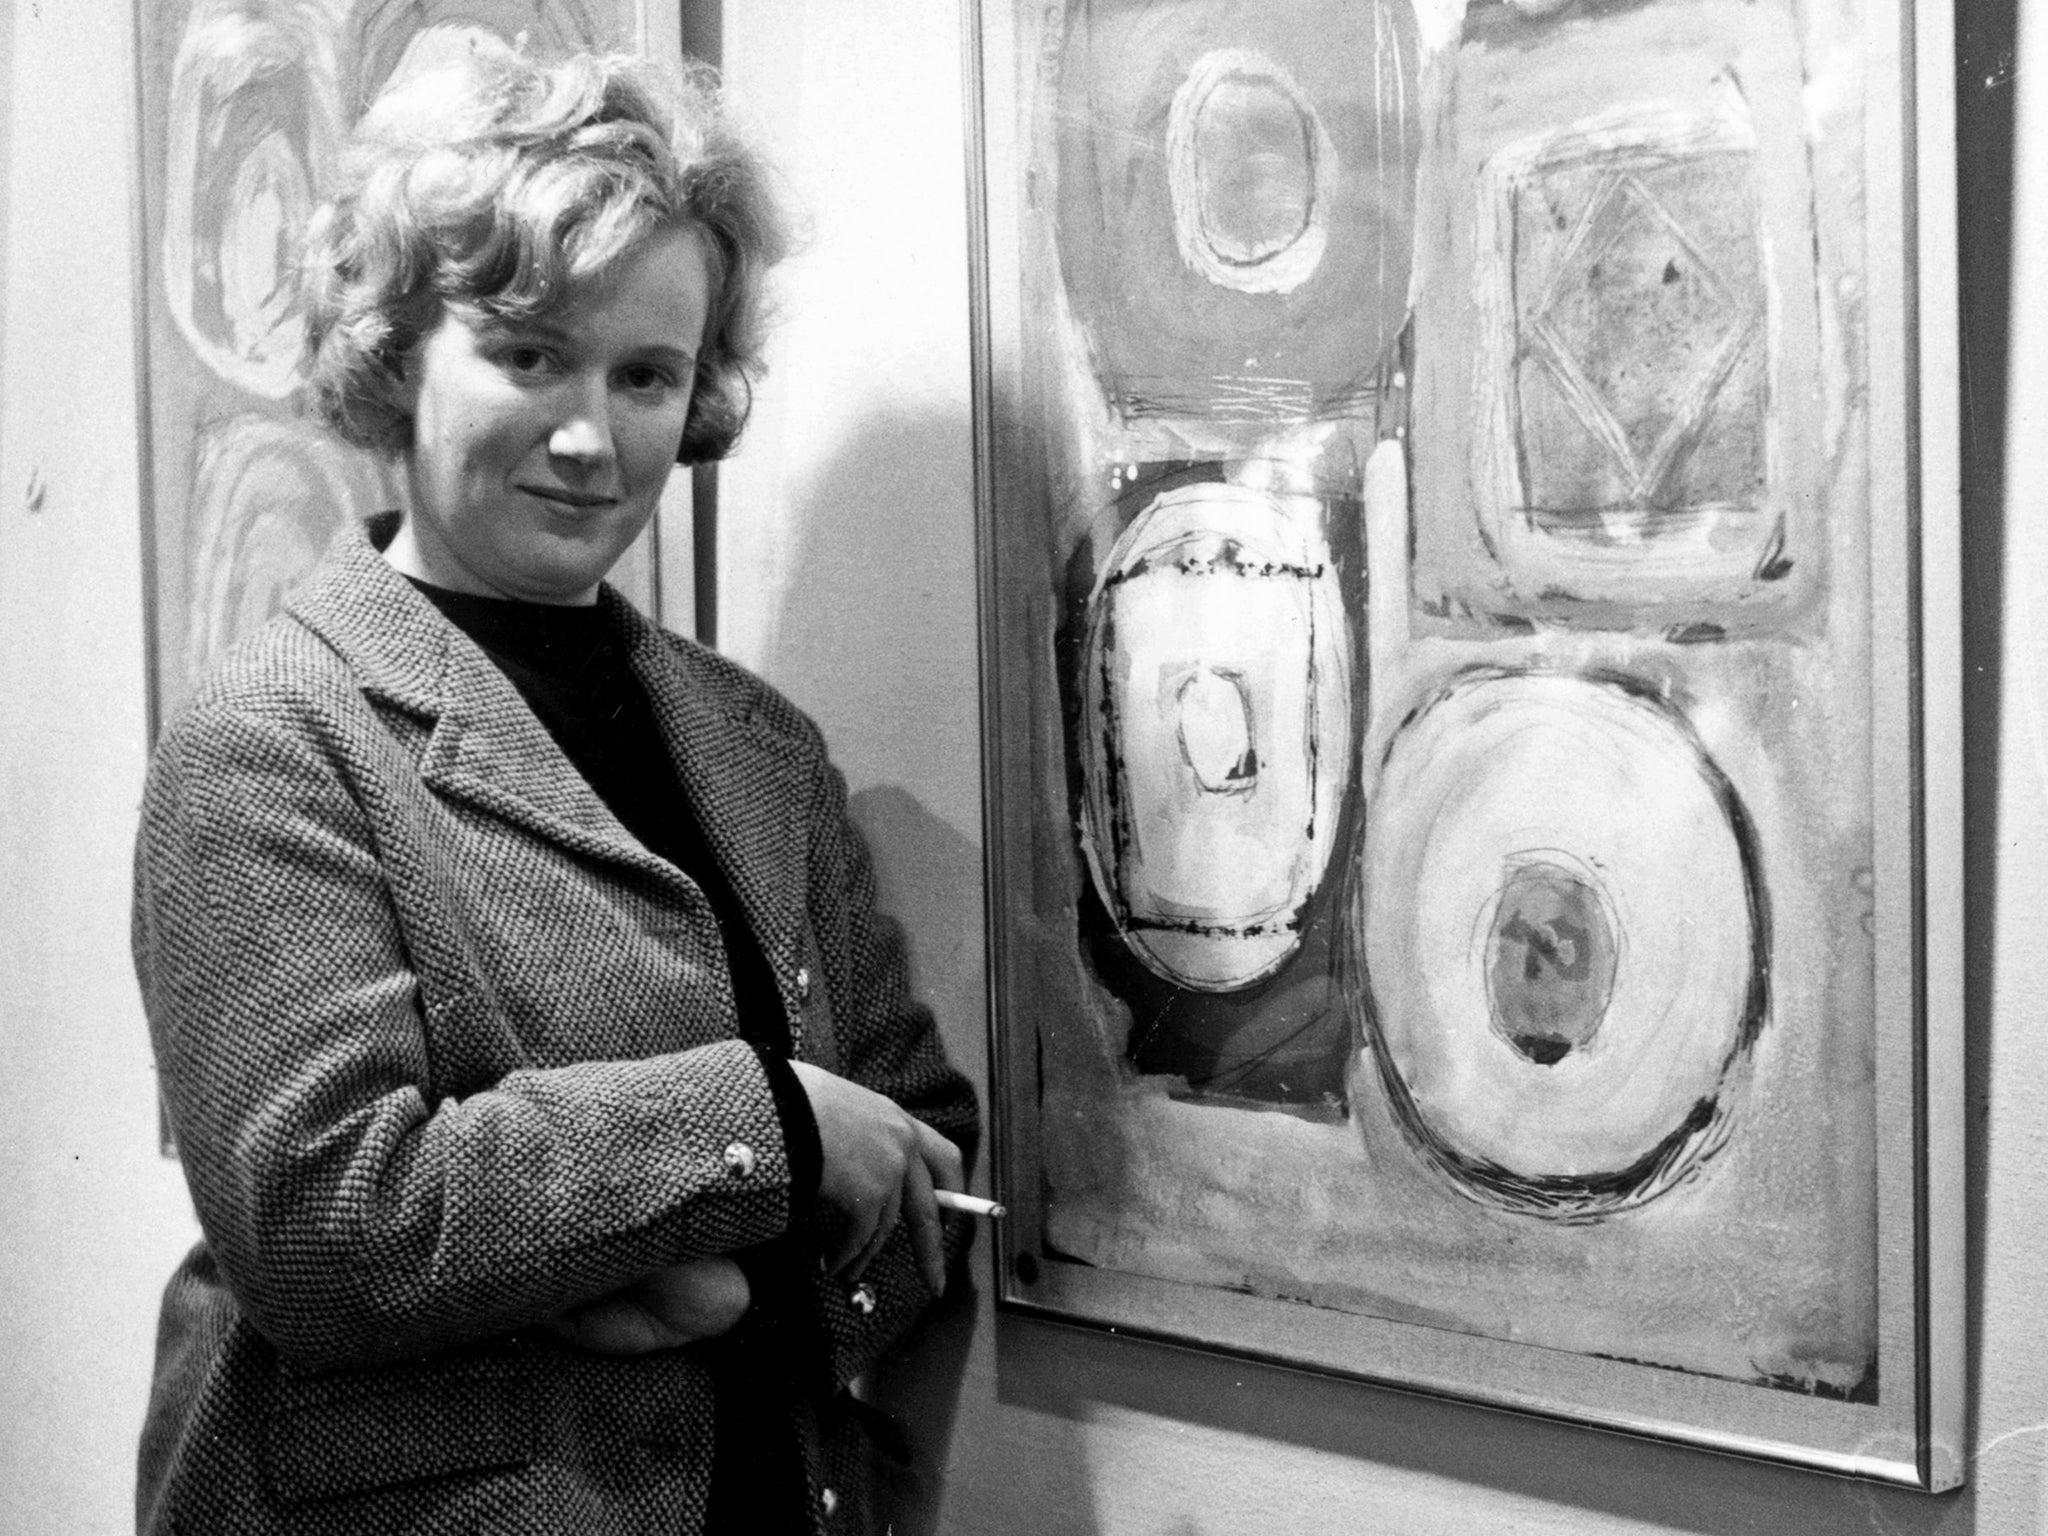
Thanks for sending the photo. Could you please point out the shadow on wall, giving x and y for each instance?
(929, 878)
(879, 592)
(882, 648)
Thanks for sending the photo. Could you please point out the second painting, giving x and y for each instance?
(1451, 637)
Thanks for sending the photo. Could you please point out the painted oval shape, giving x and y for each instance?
(251, 128)
(1216, 730)
(1550, 961)
(1250, 171)
(1563, 928)
(1254, 169)
(1178, 220)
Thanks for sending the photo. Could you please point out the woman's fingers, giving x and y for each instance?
(881, 1164)
(937, 1166)
(941, 1158)
(921, 1212)
(866, 1139)
(878, 1234)
(937, 1161)
(852, 1239)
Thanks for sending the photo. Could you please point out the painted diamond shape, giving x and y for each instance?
(1640, 317)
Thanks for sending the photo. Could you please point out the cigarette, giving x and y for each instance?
(973, 1205)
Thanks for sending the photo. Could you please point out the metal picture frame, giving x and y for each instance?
(1471, 696)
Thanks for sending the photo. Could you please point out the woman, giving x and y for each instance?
(562, 1135)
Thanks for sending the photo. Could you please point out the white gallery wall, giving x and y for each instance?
(92, 1216)
(847, 556)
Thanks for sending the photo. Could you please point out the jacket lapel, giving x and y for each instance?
(490, 751)
(486, 748)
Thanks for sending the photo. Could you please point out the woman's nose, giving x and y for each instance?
(584, 433)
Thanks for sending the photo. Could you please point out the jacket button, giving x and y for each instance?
(828, 1501)
(803, 983)
(739, 1160)
(863, 1299)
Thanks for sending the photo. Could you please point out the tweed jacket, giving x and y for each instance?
(447, 1051)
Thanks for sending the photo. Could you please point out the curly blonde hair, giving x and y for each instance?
(499, 183)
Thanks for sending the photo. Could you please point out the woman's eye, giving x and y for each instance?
(645, 378)
(526, 360)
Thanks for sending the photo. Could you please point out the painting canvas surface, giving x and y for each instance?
(1444, 639)
(245, 108)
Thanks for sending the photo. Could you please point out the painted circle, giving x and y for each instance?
(1254, 169)
(1249, 168)
(1550, 958)
(1563, 935)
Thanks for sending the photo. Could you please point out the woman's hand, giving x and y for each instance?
(696, 1299)
(881, 1165)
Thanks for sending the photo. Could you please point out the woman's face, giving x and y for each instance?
(540, 447)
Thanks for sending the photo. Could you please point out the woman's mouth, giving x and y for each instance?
(581, 501)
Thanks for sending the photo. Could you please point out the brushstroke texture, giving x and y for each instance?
(1628, 375)
(252, 126)
(269, 495)
(1234, 205)
(1588, 804)
(391, 38)
(1619, 325)
(1251, 172)
(1216, 730)
(1759, 1265)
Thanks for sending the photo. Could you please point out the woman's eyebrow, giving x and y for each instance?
(504, 327)
(661, 351)
(540, 329)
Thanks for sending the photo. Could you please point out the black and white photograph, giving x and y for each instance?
(1023, 768)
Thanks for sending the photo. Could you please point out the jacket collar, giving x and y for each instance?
(488, 750)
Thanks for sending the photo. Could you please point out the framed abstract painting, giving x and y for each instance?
(1471, 699)
(244, 107)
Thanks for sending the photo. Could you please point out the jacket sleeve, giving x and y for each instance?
(887, 1042)
(354, 1220)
